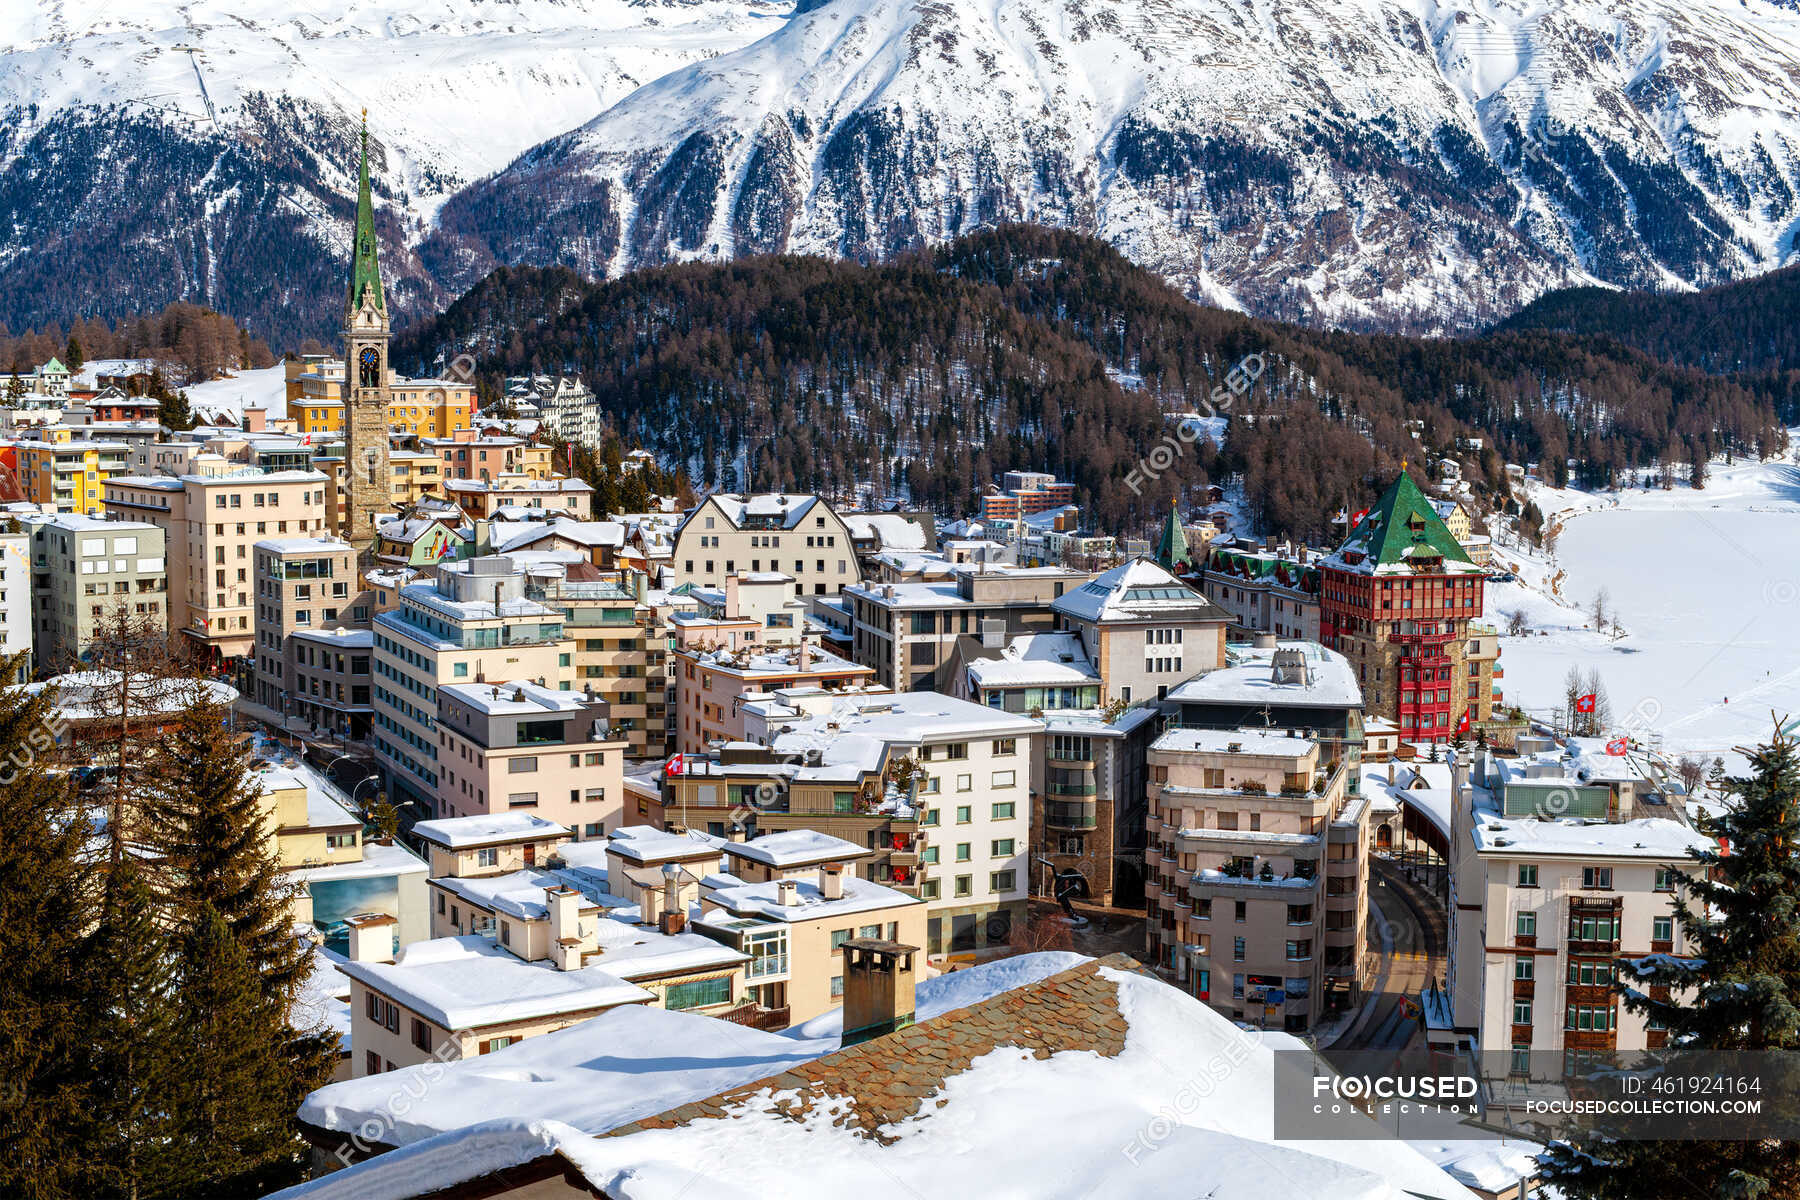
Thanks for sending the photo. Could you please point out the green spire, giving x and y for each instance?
(365, 272)
(1171, 546)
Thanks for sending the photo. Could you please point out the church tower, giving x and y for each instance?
(365, 373)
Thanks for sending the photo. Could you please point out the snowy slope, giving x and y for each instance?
(1706, 588)
(1350, 159)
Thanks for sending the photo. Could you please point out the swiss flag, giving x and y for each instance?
(1585, 704)
(674, 765)
(1462, 725)
(1616, 746)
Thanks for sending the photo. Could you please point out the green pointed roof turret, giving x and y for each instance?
(1171, 546)
(1404, 530)
(365, 271)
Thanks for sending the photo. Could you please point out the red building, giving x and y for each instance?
(1397, 599)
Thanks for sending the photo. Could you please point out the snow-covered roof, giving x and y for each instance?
(1035, 1038)
(856, 731)
(892, 531)
(1036, 660)
(467, 982)
(513, 699)
(1233, 741)
(1139, 590)
(493, 829)
(795, 848)
(763, 900)
(1330, 681)
(647, 844)
(790, 508)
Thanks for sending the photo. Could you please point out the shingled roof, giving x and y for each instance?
(891, 1078)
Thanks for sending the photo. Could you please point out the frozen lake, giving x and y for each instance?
(1707, 586)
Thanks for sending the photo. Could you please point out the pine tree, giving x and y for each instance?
(46, 1087)
(135, 1033)
(73, 358)
(235, 1117)
(203, 816)
(1734, 989)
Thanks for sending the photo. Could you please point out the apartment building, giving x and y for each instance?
(621, 652)
(467, 454)
(752, 610)
(434, 408)
(329, 681)
(554, 496)
(68, 474)
(306, 585)
(1022, 493)
(413, 477)
(564, 406)
(85, 572)
(968, 775)
(1089, 811)
(746, 790)
(1144, 630)
(728, 534)
(1397, 599)
(16, 603)
(712, 686)
(518, 746)
(1259, 897)
(211, 519)
(1032, 672)
(1562, 864)
(1265, 592)
(793, 927)
(915, 635)
(472, 623)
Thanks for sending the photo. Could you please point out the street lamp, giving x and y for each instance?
(359, 786)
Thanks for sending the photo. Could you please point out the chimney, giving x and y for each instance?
(564, 904)
(371, 937)
(878, 988)
(735, 833)
(256, 420)
(672, 906)
(1390, 772)
(800, 656)
(672, 922)
(787, 893)
(649, 905)
(731, 596)
(831, 881)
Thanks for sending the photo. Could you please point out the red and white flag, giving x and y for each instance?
(1462, 725)
(1585, 704)
(1616, 747)
(674, 766)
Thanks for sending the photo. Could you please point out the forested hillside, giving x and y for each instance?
(1747, 327)
(187, 342)
(1033, 348)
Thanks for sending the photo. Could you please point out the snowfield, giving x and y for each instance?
(1707, 587)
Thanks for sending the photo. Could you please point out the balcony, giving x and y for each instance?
(1070, 814)
(768, 966)
(757, 1017)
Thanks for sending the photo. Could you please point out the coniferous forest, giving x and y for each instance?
(1026, 347)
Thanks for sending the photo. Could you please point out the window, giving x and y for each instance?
(1528, 875)
(962, 852)
(965, 885)
(698, 993)
(838, 938)
(837, 986)
(521, 766)
(506, 933)
(1596, 877)
(928, 890)
(1590, 1016)
(1237, 949)
(1662, 929)
(421, 1035)
(1525, 967)
(1521, 1060)
(931, 817)
(1587, 972)
(1299, 914)
(489, 1045)
(1526, 925)
(440, 897)
(963, 816)
(1004, 746)
(930, 856)
(1665, 879)
(1004, 779)
(1239, 911)
(1001, 881)
(1521, 1012)
(1003, 848)
(1299, 950)
(965, 783)
(488, 857)
(843, 802)
(1003, 811)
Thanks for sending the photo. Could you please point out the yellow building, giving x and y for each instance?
(426, 408)
(413, 475)
(69, 473)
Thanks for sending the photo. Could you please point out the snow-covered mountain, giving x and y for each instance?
(1395, 161)
(1342, 159)
(113, 176)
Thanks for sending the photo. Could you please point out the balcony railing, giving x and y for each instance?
(1070, 815)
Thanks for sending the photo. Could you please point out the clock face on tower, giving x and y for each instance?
(370, 361)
